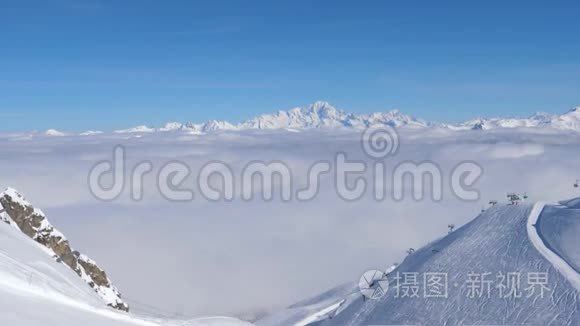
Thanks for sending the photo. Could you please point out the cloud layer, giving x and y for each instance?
(239, 257)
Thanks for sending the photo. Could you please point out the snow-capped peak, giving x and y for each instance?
(394, 118)
(324, 109)
(322, 114)
(172, 126)
(90, 133)
(16, 196)
(572, 114)
(537, 120)
(54, 133)
(319, 114)
(567, 121)
(137, 129)
(217, 125)
(541, 116)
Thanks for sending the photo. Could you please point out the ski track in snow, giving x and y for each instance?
(501, 240)
(559, 264)
(496, 239)
(322, 314)
(40, 281)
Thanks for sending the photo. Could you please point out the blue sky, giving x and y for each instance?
(100, 64)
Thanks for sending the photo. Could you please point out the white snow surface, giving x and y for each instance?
(553, 229)
(54, 133)
(321, 315)
(138, 129)
(90, 133)
(501, 240)
(37, 290)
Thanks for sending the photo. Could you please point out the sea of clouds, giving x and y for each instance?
(248, 257)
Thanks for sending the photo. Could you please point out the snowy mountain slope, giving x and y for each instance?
(496, 242)
(315, 309)
(37, 290)
(32, 222)
(559, 229)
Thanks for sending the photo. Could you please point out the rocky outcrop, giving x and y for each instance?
(15, 210)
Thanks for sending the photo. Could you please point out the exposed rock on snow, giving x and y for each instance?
(32, 222)
(36, 290)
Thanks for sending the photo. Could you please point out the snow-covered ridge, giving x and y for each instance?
(567, 121)
(31, 221)
(317, 115)
(135, 129)
(323, 115)
(90, 133)
(54, 133)
(37, 290)
(502, 239)
(558, 262)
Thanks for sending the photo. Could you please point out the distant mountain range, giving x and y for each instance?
(323, 115)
